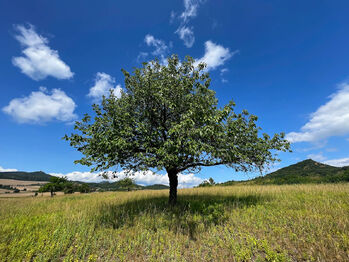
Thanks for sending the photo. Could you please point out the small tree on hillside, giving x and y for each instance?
(168, 119)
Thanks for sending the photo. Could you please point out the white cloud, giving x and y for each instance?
(7, 169)
(187, 35)
(41, 107)
(161, 48)
(185, 32)
(317, 157)
(223, 71)
(39, 60)
(190, 9)
(338, 162)
(142, 178)
(330, 119)
(215, 55)
(102, 86)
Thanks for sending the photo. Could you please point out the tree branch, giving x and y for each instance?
(202, 164)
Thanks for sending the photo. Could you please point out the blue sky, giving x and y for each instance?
(285, 61)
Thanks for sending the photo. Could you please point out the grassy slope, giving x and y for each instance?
(304, 172)
(239, 223)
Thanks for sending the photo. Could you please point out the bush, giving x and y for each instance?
(84, 188)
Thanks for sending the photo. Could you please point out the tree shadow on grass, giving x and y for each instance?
(193, 213)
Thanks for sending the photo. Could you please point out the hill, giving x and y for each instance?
(120, 186)
(304, 172)
(156, 186)
(106, 186)
(25, 176)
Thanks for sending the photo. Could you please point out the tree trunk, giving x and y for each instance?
(173, 177)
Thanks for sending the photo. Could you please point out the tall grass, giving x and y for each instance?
(237, 223)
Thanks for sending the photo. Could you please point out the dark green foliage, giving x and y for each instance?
(168, 119)
(126, 182)
(156, 187)
(6, 187)
(121, 185)
(84, 188)
(115, 186)
(25, 176)
(62, 184)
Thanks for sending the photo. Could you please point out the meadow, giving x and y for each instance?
(235, 223)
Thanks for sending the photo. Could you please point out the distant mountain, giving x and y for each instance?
(25, 176)
(304, 172)
(156, 186)
(117, 186)
(41, 176)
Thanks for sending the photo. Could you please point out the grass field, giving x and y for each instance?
(28, 185)
(237, 223)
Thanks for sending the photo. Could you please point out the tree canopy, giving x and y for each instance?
(168, 118)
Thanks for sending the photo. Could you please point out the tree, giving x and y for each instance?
(84, 188)
(126, 183)
(56, 184)
(168, 119)
(207, 183)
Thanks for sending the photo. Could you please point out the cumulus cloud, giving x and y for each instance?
(142, 178)
(39, 60)
(7, 169)
(103, 84)
(42, 106)
(187, 35)
(215, 55)
(330, 119)
(338, 162)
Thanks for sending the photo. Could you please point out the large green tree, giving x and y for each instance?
(168, 119)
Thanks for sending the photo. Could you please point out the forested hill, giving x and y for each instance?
(25, 176)
(41, 176)
(307, 171)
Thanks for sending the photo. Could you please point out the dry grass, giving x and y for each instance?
(29, 185)
(238, 223)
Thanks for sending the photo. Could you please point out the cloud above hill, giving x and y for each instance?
(330, 119)
(338, 162)
(39, 60)
(142, 178)
(7, 169)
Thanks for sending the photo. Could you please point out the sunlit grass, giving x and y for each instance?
(238, 223)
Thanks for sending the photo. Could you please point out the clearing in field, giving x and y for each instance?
(237, 223)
